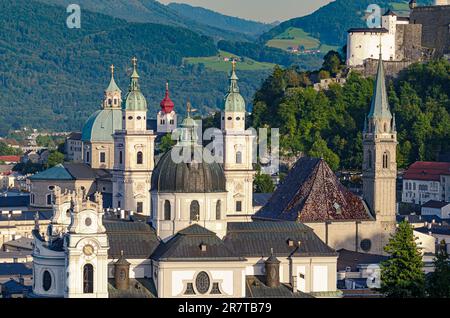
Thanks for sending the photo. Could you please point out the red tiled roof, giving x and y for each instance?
(10, 158)
(425, 170)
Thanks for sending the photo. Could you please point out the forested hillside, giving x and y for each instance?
(53, 77)
(330, 23)
(150, 11)
(329, 123)
(212, 18)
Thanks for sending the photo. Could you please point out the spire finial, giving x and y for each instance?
(233, 64)
(167, 86)
(188, 108)
(134, 61)
(112, 70)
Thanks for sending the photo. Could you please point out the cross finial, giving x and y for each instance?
(233, 63)
(112, 69)
(167, 86)
(134, 61)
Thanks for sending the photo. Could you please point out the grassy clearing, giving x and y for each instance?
(294, 37)
(217, 63)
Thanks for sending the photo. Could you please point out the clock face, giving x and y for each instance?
(88, 250)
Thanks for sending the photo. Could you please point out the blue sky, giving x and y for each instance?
(259, 10)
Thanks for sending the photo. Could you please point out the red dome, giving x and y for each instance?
(166, 104)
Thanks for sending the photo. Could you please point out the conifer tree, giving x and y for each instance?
(402, 275)
(438, 283)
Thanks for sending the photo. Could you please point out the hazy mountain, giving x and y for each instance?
(150, 11)
(225, 22)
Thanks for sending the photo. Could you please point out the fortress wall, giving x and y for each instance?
(435, 22)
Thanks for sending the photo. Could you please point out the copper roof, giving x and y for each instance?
(312, 193)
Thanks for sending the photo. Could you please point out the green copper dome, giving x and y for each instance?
(135, 100)
(234, 102)
(101, 125)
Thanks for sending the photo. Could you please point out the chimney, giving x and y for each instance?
(294, 284)
(122, 214)
(272, 266)
(203, 247)
(122, 273)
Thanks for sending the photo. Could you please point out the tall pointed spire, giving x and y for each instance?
(380, 106)
(134, 84)
(167, 104)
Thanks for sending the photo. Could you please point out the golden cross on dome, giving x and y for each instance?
(134, 60)
(112, 69)
(188, 106)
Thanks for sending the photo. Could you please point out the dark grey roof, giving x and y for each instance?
(26, 216)
(7, 269)
(311, 192)
(75, 136)
(186, 246)
(201, 177)
(260, 199)
(22, 243)
(80, 171)
(435, 229)
(13, 287)
(255, 287)
(138, 288)
(435, 204)
(421, 218)
(352, 259)
(15, 201)
(373, 30)
(102, 174)
(256, 239)
(137, 240)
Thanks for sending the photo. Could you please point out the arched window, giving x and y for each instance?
(140, 158)
(195, 211)
(109, 101)
(87, 157)
(167, 210)
(49, 199)
(238, 157)
(88, 279)
(120, 157)
(46, 280)
(385, 160)
(218, 210)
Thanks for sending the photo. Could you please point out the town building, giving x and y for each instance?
(424, 181)
(74, 147)
(436, 208)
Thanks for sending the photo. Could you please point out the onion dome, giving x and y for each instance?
(234, 102)
(135, 100)
(166, 104)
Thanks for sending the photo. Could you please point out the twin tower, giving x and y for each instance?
(134, 148)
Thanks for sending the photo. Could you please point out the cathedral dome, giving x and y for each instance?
(135, 101)
(202, 177)
(101, 125)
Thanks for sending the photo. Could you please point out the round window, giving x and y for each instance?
(202, 283)
(130, 117)
(229, 118)
(366, 244)
(139, 117)
(88, 221)
(46, 280)
(238, 118)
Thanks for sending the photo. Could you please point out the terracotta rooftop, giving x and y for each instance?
(312, 193)
(428, 171)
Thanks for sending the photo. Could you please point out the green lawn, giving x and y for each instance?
(295, 37)
(217, 63)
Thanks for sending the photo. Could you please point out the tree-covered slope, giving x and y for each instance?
(53, 77)
(150, 11)
(224, 22)
(329, 123)
(330, 23)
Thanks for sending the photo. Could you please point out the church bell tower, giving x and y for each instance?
(379, 162)
(134, 153)
(237, 153)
